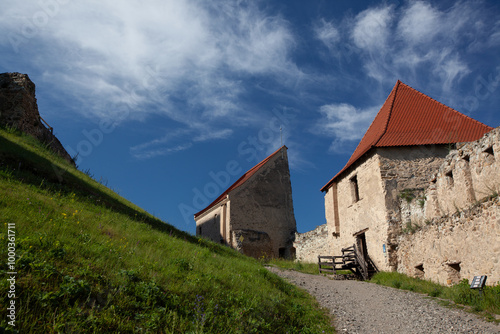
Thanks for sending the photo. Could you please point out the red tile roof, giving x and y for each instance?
(240, 181)
(410, 118)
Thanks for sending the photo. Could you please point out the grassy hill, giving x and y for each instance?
(89, 261)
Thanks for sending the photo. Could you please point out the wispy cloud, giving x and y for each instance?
(327, 33)
(421, 43)
(344, 123)
(177, 140)
(181, 59)
(152, 153)
(372, 28)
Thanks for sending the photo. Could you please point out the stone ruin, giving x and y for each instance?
(19, 110)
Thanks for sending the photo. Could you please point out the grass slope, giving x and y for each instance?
(88, 261)
(485, 303)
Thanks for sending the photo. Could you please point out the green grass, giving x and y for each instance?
(486, 304)
(304, 267)
(89, 261)
(308, 268)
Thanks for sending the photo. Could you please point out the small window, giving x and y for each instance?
(489, 150)
(354, 189)
(449, 178)
(419, 271)
(453, 273)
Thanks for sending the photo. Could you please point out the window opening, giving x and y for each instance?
(419, 271)
(453, 270)
(489, 150)
(449, 178)
(355, 188)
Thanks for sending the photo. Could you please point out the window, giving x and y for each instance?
(453, 270)
(489, 150)
(354, 189)
(449, 178)
(419, 271)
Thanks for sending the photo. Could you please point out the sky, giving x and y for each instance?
(170, 102)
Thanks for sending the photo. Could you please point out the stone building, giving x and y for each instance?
(19, 109)
(255, 214)
(404, 146)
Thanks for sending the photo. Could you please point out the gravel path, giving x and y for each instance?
(361, 307)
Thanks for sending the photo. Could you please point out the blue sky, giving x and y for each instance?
(169, 102)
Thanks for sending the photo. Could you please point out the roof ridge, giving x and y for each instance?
(396, 87)
(371, 124)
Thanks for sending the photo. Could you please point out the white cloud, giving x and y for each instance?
(327, 33)
(219, 134)
(418, 42)
(153, 153)
(419, 23)
(371, 29)
(178, 140)
(451, 70)
(181, 59)
(494, 39)
(344, 122)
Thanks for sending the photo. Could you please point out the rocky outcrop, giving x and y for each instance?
(19, 109)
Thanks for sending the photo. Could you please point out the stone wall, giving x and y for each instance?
(252, 243)
(390, 199)
(468, 175)
(311, 244)
(19, 109)
(256, 217)
(209, 225)
(360, 206)
(452, 231)
(405, 170)
(264, 204)
(455, 247)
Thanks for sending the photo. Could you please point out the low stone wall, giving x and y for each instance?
(451, 248)
(256, 244)
(311, 244)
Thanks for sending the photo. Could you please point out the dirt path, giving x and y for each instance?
(361, 307)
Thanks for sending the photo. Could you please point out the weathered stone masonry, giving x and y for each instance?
(455, 234)
(19, 109)
(405, 175)
(450, 248)
(311, 244)
(255, 214)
